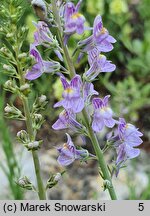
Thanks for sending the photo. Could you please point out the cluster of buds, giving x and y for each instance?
(54, 179)
(37, 121)
(12, 112)
(9, 70)
(25, 89)
(106, 184)
(11, 86)
(23, 137)
(34, 145)
(25, 183)
(39, 103)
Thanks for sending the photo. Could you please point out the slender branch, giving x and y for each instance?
(86, 117)
(68, 61)
(41, 190)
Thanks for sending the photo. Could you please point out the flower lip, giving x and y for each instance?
(72, 97)
(76, 15)
(69, 90)
(102, 114)
(74, 21)
(68, 153)
(127, 138)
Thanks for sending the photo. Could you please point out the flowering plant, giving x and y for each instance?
(79, 96)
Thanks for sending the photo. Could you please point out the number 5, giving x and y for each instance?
(141, 206)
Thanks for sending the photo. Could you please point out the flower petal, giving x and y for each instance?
(59, 124)
(64, 82)
(50, 66)
(34, 73)
(108, 67)
(97, 124)
(76, 82)
(97, 103)
(77, 105)
(105, 46)
(65, 160)
(132, 152)
(109, 122)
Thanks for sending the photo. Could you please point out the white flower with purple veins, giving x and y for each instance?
(40, 66)
(128, 138)
(44, 36)
(74, 21)
(72, 97)
(102, 114)
(68, 153)
(98, 64)
(100, 39)
(67, 119)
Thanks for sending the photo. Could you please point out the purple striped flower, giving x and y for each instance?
(98, 64)
(40, 66)
(88, 91)
(100, 39)
(72, 97)
(102, 114)
(44, 37)
(74, 21)
(67, 119)
(68, 153)
(128, 138)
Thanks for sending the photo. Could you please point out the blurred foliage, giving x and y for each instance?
(11, 168)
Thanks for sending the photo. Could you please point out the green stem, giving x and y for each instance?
(93, 138)
(99, 154)
(41, 190)
(68, 60)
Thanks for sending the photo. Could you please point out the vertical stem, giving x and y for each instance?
(41, 190)
(68, 61)
(93, 138)
(99, 154)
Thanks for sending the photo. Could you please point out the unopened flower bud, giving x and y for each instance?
(3, 49)
(24, 29)
(25, 89)
(57, 177)
(22, 55)
(23, 136)
(54, 179)
(12, 112)
(8, 109)
(40, 9)
(40, 103)
(37, 121)
(10, 86)
(9, 35)
(33, 145)
(7, 67)
(24, 182)
(42, 99)
(107, 184)
(38, 117)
